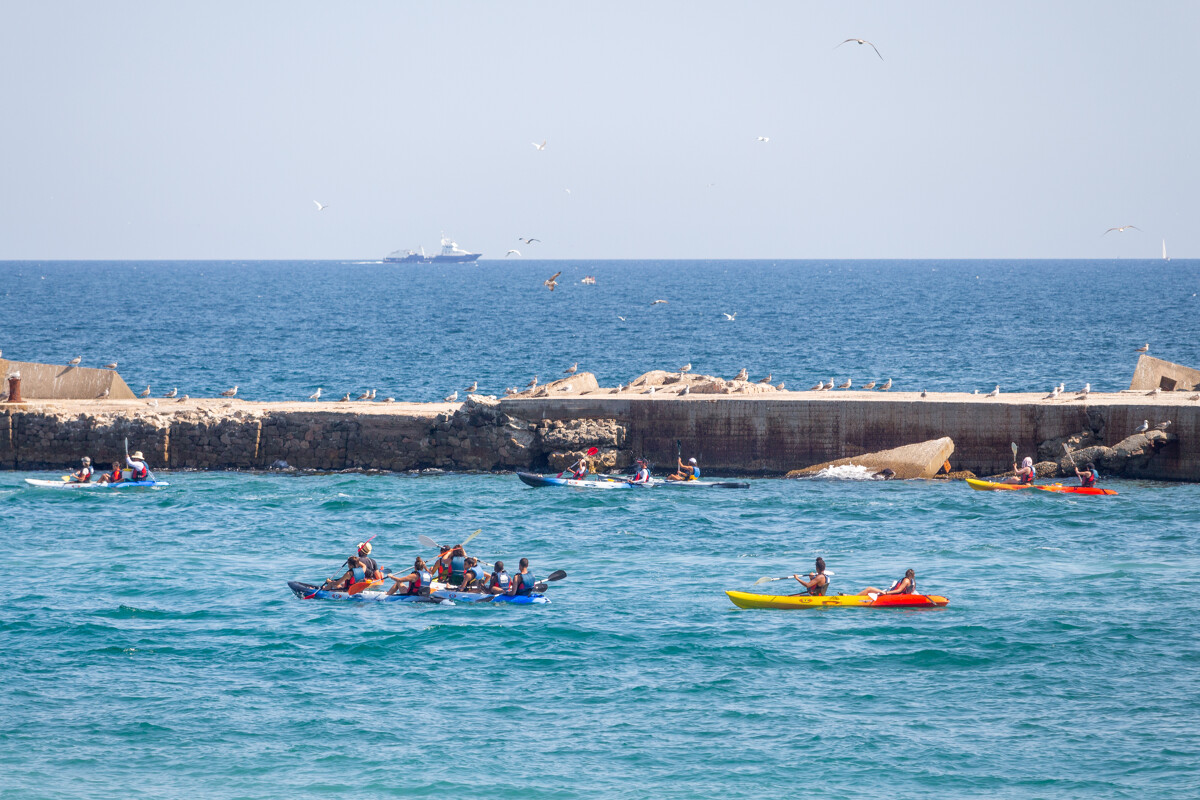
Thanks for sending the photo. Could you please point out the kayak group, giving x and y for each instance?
(585, 466)
(901, 594)
(452, 570)
(138, 471)
(1025, 474)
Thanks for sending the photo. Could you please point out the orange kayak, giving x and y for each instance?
(992, 486)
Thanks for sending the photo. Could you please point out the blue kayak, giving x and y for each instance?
(61, 484)
(308, 591)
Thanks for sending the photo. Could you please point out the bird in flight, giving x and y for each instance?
(321, 206)
(764, 139)
(527, 241)
(656, 302)
(230, 392)
(620, 318)
(863, 41)
(1143, 349)
(1121, 229)
(541, 146)
(553, 281)
(510, 252)
(730, 317)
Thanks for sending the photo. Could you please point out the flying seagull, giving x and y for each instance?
(527, 241)
(537, 146)
(550, 284)
(145, 393)
(321, 206)
(620, 318)
(730, 317)
(1121, 229)
(764, 139)
(658, 302)
(315, 395)
(230, 392)
(510, 252)
(1143, 349)
(1145, 426)
(863, 41)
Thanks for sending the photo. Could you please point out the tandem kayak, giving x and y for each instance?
(753, 600)
(605, 482)
(991, 486)
(308, 591)
(60, 484)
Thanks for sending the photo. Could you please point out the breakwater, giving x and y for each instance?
(767, 434)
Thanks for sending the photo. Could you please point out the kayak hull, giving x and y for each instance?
(308, 591)
(794, 601)
(43, 484)
(618, 483)
(992, 486)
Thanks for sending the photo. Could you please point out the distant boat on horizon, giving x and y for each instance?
(1165, 258)
(451, 254)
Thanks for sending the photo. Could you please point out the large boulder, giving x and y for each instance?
(921, 460)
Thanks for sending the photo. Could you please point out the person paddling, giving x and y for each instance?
(451, 564)
(116, 476)
(84, 473)
(906, 585)
(370, 565)
(580, 471)
(642, 474)
(473, 576)
(138, 469)
(818, 581)
(500, 581)
(1024, 474)
(1087, 476)
(523, 582)
(416, 582)
(686, 472)
(356, 573)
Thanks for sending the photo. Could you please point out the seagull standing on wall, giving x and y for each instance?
(315, 395)
(1145, 426)
(741, 376)
(74, 362)
(230, 392)
(1143, 349)
(450, 398)
(994, 392)
(172, 393)
(886, 386)
(146, 393)
(847, 384)
(113, 365)
(571, 369)
(474, 385)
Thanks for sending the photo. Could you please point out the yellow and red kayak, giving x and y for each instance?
(991, 486)
(753, 600)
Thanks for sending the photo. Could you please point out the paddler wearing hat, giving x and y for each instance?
(642, 475)
(84, 473)
(361, 569)
(137, 464)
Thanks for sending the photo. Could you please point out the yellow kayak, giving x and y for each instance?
(753, 600)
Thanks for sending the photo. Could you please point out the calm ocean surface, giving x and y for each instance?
(149, 646)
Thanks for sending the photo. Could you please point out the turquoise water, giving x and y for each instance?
(151, 647)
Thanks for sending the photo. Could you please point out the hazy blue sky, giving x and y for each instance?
(206, 130)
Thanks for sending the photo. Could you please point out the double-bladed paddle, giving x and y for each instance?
(1070, 455)
(828, 573)
(344, 563)
(590, 452)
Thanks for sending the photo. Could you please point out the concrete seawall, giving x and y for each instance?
(749, 435)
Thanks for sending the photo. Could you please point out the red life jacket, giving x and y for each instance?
(139, 474)
(423, 579)
(115, 477)
(84, 475)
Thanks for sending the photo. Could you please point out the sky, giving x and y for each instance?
(186, 130)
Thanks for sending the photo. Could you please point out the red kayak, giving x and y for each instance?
(990, 486)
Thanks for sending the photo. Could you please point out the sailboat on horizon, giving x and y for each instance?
(1165, 257)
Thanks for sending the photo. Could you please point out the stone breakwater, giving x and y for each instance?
(758, 434)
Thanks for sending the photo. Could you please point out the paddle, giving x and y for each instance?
(427, 542)
(828, 573)
(1070, 455)
(591, 452)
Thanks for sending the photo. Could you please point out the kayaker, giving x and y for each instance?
(84, 473)
(116, 476)
(500, 582)
(580, 471)
(642, 474)
(1087, 477)
(450, 565)
(370, 565)
(1023, 474)
(818, 581)
(686, 472)
(523, 582)
(906, 585)
(356, 573)
(416, 582)
(137, 465)
(473, 576)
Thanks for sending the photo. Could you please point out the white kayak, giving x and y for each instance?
(609, 482)
(61, 484)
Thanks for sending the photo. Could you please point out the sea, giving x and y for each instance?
(150, 647)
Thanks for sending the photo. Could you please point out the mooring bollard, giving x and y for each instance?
(14, 388)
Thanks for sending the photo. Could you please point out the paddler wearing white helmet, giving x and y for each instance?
(686, 472)
(137, 464)
(1023, 474)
